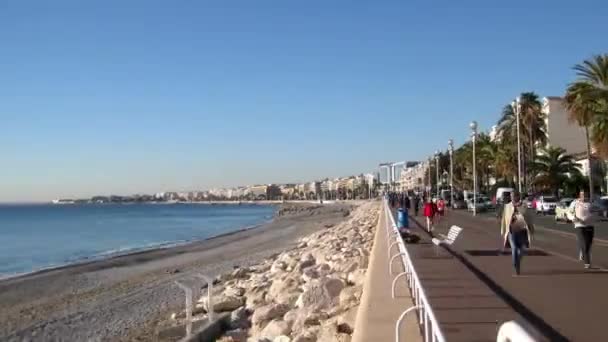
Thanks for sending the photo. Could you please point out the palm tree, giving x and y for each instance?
(531, 126)
(587, 102)
(552, 167)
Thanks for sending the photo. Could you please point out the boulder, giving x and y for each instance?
(330, 333)
(356, 277)
(234, 291)
(321, 294)
(282, 338)
(275, 328)
(255, 297)
(269, 312)
(350, 295)
(309, 274)
(308, 335)
(222, 303)
(236, 335)
(284, 290)
(278, 266)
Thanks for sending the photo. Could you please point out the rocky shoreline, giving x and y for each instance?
(306, 294)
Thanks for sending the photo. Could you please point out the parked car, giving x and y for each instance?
(600, 207)
(480, 205)
(503, 191)
(459, 203)
(561, 209)
(546, 205)
(489, 205)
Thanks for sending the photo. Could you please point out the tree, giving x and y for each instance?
(532, 131)
(587, 102)
(552, 167)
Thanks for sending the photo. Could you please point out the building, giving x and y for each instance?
(560, 131)
(257, 191)
(414, 178)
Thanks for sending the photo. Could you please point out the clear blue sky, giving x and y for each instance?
(100, 97)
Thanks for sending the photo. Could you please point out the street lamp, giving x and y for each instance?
(516, 106)
(473, 126)
(451, 151)
(430, 189)
(437, 171)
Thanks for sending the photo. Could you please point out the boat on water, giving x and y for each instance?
(63, 201)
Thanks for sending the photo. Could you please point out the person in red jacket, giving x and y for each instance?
(429, 212)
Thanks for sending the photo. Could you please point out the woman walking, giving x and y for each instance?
(579, 213)
(429, 213)
(517, 228)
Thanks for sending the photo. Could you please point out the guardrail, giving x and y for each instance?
(426, 317)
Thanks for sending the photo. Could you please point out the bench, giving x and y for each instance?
(450, 238)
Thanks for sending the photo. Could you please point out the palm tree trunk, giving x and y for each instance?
(589, 164)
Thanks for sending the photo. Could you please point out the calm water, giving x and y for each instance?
(34, 237)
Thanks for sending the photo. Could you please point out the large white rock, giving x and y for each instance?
(269, 312)
(350, 295)
(284, 290)
(275, 328)
(255, 297)
(278, 266)
(321, 294)
(356, 277)
(222, 303)
(282, 338)
(234, 291)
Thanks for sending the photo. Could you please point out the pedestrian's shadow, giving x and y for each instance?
(594, 271)
(496, 252)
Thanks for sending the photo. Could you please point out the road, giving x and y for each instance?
(555, 294)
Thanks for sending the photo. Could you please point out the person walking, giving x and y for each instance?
(517, 228)
(407, 204)
(429, 213)
(440, 209)
(579, 213)
(416, 205)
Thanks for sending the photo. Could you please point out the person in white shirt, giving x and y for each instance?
(579, 213)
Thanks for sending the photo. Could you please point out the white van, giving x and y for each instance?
(503, 191)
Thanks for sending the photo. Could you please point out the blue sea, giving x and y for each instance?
(35, 237)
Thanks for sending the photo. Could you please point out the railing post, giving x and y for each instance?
(209, 281)
(395, 282)
(188, 292)
(398, 324)
(390, 263)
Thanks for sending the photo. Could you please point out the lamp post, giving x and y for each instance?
(516, 106)
(437, 171)
(451, 151)
(473, 126)
(430, 185)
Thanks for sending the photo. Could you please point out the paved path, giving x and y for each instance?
(378, 312)
(554, 294)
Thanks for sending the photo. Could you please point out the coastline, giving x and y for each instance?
(127, 293)
(128, 253)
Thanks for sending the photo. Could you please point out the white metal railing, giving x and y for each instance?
(426, 317)
(513, 332)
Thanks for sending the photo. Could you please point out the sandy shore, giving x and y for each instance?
(123, 298)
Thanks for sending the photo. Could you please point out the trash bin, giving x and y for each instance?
(402, 222)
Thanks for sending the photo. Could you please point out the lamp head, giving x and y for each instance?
(473, 126)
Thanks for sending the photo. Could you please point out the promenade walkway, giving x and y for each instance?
(378, 312)
(471, 286)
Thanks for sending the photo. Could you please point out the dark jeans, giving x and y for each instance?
(517, 242)
(585, 240)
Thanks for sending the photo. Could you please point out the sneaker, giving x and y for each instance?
(587, 266)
